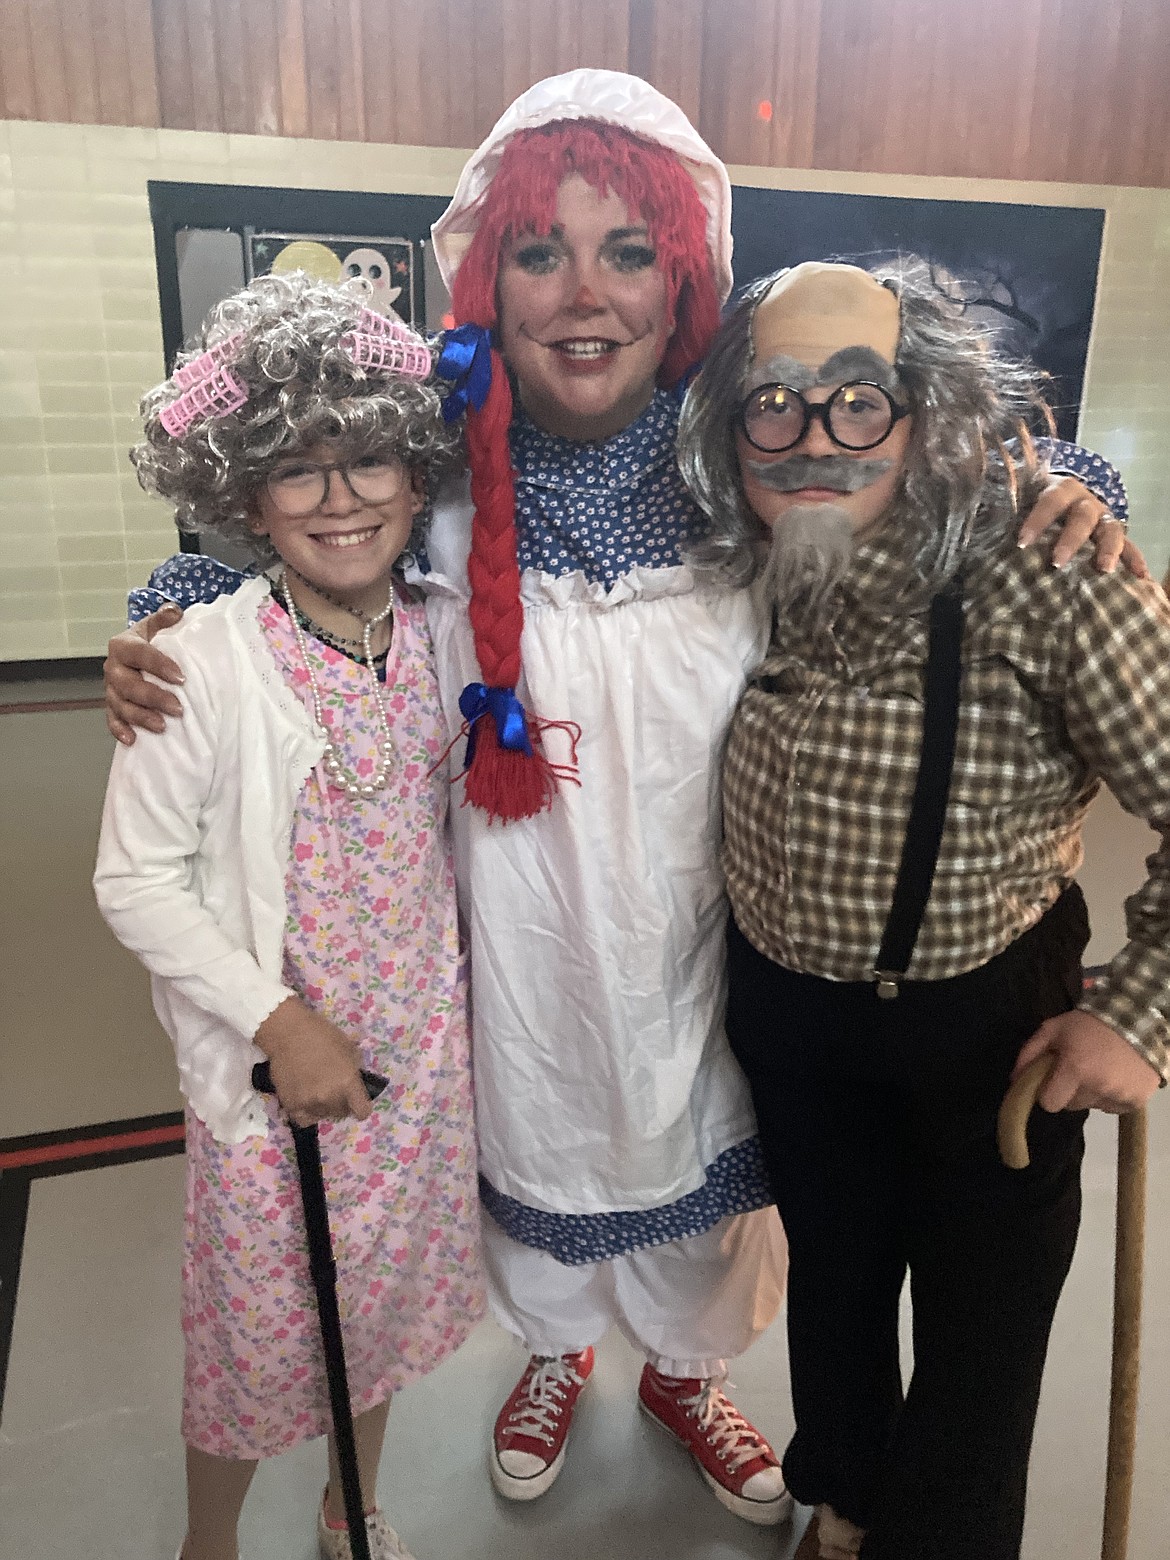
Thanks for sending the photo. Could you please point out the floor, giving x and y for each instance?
(90, 1459)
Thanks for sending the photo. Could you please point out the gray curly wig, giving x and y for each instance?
(962, 490)
(302, 388)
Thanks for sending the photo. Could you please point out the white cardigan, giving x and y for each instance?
(194, 849)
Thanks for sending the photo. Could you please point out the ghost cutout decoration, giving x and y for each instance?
(375, 268)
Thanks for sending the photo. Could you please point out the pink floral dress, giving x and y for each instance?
(372, 942)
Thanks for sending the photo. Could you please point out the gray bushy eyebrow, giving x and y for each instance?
(849, 363)
(780, 370)
(858, 363)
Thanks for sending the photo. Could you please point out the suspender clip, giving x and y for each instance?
(887, 983)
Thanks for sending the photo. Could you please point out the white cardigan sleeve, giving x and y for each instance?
(145, 880)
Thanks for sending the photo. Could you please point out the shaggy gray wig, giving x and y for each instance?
(302, 388)
(962, 490)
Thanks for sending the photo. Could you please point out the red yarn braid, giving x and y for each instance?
(653, 184)
(492, 569)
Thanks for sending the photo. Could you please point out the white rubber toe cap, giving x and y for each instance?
(523, 1475)
(521, 1465)
(767, 1485)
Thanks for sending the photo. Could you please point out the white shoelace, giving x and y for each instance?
(541, 1405)
(725, 1427)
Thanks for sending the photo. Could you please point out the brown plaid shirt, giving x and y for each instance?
(1066, 682)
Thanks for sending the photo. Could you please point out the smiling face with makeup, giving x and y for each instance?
(583, 315)
(822, 328)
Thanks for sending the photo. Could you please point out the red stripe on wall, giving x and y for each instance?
(81, 1148)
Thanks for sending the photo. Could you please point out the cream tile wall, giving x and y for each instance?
(80, 339)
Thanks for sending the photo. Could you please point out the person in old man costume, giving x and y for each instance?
(905, 783)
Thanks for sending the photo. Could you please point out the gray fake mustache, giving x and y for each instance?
(811, 471)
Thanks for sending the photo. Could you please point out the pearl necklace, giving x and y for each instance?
(353, 786)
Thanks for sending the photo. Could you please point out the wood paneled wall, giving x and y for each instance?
(429, 74)
(1066, 90)
(81, 61)
(1075, 90)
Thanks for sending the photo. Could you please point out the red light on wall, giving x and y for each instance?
(764, 110)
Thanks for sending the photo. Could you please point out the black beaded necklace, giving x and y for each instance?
(351, 649)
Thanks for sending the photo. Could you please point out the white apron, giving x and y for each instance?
(603, 1079)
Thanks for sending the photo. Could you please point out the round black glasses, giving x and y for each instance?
(857, 416)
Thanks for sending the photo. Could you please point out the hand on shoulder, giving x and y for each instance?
(1082, 517)
(130, 699)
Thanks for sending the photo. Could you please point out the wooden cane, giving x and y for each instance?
(1127, 1287)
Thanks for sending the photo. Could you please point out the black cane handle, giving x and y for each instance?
(262, 1080)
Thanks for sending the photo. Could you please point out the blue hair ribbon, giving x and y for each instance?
(477, 700)
(465, 360)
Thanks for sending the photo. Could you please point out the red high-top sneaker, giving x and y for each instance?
(528, 1443)
(730, 1453)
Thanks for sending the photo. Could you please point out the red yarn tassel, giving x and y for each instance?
(510, 785)
(504, 784)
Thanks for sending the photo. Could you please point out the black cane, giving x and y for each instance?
(323, 1271)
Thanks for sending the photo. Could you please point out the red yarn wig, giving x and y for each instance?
(654, 186)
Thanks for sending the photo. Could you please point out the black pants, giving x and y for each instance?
(877, 1121)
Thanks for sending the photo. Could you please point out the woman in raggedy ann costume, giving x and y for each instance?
(590, 234)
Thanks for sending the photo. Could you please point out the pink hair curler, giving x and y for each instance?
(372, 323)
(215, 396)
(387, 351)
(208, 362)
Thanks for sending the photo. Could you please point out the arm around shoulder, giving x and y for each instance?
(134, 667)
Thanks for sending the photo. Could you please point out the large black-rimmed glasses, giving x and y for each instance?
(857, 416)
(298, 487)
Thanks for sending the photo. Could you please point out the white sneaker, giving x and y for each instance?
(385, 1543)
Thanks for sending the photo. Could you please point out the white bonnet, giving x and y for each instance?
(613, 98)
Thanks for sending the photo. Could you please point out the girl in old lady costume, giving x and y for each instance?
(280, 864)
(590, 235)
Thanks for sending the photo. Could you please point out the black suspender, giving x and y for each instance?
(924, 828)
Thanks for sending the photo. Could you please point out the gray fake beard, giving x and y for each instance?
(810, 553)
(839, 472)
